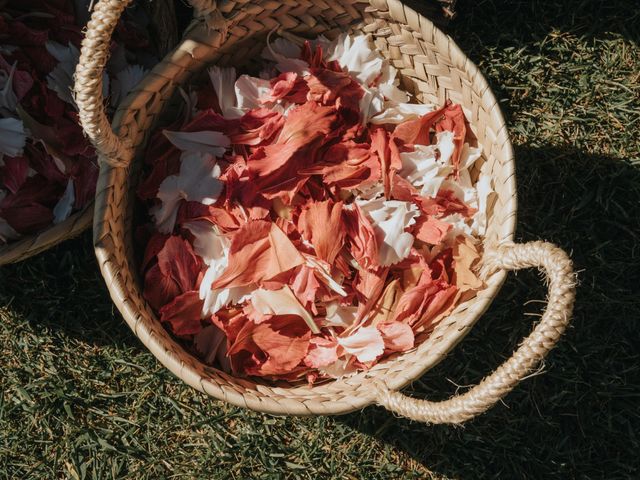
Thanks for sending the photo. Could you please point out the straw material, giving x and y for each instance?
(164, 27)
(434, 69)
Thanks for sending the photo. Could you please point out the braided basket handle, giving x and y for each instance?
(94, 55)
(557, 266)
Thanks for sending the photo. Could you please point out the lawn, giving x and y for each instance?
(80, 397)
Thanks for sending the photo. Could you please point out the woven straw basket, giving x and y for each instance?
(432, 67)
(163, 24)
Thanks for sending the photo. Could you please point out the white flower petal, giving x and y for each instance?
(393, 93)
(371, 104)
(7, 232)
(214, 143)
(389, 219)
(64, 207)
(124, 82)
(469, 156)
(208, 243)
(281, 302)
(60, 79)
(8, 98)
(401, 112)
(363, 63)
(213, 248)
(422, 170)
(446, 146)
(12, 137)
(249, 90)
(484, 188)
(324, 275)
(459, 227)
(286, 55)
(197, 181)
(223, 81)
(366, 344)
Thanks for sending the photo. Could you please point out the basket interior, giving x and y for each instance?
(431, 67)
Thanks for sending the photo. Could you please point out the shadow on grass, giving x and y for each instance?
(503, 23)
(62, 290)
(579, 418)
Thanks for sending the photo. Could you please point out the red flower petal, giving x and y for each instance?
(159, 289)
(285, 347)
(288, 86)
(454, 121)
(14, 172)
(430, 230)
(361, 238)
(154, 245)
(178, 261)
(305, 286)
(416, 131)
(259, 251)
(397, 336)
(322, 352)
(183, 314)
(322, 224)
(28, 218)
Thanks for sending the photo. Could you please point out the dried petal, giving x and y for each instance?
(366, 344)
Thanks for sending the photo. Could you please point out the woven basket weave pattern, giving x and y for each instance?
(431, 67)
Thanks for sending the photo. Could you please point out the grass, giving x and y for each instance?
(81, 398)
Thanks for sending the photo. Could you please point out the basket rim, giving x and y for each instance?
(276, 401)
(30, 245)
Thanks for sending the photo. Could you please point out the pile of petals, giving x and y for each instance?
(47, 167)
(309, 222)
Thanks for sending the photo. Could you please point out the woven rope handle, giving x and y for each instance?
(557, 266)
(94, 54)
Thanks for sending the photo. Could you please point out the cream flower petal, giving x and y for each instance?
(363, 63)
(339, 315)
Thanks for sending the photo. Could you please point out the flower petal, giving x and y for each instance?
(223, 81)
(281, 302)
(214, 143)
(124, 82)
(183, 314)
(366, 344)
(12, 137)
(63, 208)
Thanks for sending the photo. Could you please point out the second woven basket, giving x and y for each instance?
(434, 69)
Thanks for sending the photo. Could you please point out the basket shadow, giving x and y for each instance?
(579, 415)
(62, 290)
